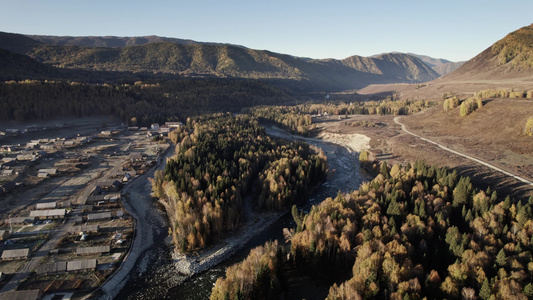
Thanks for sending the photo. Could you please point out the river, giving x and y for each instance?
(154, 275)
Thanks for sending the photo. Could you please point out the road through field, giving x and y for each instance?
(526, 181)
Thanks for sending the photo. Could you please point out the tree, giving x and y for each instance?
(485, 291)
(501, 258)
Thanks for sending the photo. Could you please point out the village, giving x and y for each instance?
(63, 226)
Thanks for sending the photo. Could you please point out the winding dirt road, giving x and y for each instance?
(477, 160)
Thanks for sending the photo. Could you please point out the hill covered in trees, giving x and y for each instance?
(221, 160)
(223, 60)
(414, 232)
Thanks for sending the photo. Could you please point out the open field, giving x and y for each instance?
(391, 144)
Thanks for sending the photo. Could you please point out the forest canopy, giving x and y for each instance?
(224, 167)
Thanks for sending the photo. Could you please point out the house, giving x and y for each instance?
(7, 172)
(46, 205)
(48, 146)
(106, 132)
(164, 129)
(15, 254)
(23, 295)
(96, 250)
(95, 198)
(59, 267)
(136, 156)
(109, 185)
(133, 128)
(83, 228)
(112, 197)
(81, 265)
(143, 129)
(4, 234)
(154, 127)
(48, 214)
(21, 220)
(99, 216)
(69, 143)
(50, 172)
(28, 156)
(173, 124)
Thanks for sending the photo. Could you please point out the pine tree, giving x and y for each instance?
(501, 258)
(485, 291)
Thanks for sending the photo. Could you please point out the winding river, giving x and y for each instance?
(153, 275)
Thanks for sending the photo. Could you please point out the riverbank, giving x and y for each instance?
(139, 204)
(192, 264)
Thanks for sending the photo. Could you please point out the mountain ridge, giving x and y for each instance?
(224, 60)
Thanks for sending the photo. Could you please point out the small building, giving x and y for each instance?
(7, 172)
(16, 254)
(173, 124)
(50, 172)
(83, 228)
(23, 295)
(112, 197)
(21, 220)
(106, 132)
(135, 156)
(99, 216)
(4, 234)
(95, 199)
(96, 250)
(69, 143)
(81, 265)
(164, 129)
(109, 185)
(46, 205)
(48, 214)
(59, 267)
(27, 157)
(133, 128)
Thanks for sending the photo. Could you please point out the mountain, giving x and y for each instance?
(220, 60)
(510, 57)
(439, 65)
(112, 41)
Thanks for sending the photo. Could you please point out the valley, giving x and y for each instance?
(151, 167)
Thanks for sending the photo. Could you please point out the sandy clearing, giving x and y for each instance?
(355, 142)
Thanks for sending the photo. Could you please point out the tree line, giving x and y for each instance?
(147, 102)
(223, 164)
(298, 119)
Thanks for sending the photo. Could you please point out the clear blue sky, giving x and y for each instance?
(455, 30)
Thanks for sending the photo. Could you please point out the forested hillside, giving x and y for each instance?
(221, 160)
(222, 60)
(416, 232)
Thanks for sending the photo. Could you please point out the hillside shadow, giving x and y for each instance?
(504, 185)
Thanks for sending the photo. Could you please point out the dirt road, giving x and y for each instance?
(486, 164)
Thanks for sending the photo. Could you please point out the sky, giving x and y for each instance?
(452, 29)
